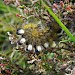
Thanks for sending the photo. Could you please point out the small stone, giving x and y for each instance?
(39, 48)
(30, 47)
(20, 31)
(22, 40)
(46, 45)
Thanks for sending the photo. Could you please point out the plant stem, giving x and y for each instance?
(58, 21)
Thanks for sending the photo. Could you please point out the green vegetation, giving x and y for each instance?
(59, 22)
(37, 37)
